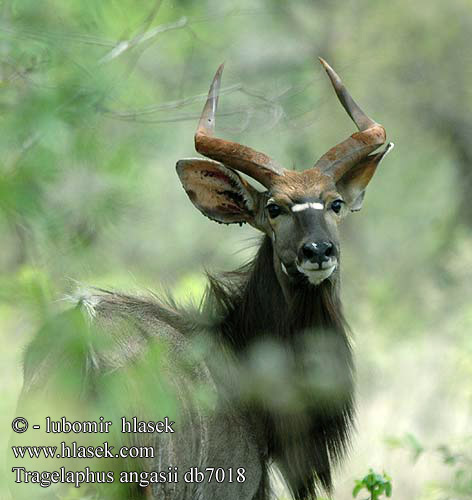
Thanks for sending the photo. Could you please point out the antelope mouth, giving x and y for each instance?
(317, 274)
(313, 272)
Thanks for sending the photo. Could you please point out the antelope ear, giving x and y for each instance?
(353, 183)
(218, 191)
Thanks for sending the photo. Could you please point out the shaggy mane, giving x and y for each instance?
(247, 305)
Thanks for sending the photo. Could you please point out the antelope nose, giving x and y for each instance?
(319, 251)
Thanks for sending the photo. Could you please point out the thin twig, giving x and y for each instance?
(23, 33)
(169, 105)
(125, 45)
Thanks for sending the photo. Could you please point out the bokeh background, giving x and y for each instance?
(99, 99)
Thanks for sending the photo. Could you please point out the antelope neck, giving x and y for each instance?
(255, 306)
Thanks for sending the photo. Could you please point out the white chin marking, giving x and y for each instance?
(284, 269)
(305, 206)
(316, 276)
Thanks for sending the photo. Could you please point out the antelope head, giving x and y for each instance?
(299, 211)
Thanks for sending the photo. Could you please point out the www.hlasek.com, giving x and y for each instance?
(73, 450)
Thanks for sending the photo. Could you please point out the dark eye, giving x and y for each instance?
(274, 210)
(336, 206)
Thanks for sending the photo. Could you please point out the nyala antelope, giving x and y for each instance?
(284, 304)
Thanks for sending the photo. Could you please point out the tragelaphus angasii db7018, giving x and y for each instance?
(277, 366)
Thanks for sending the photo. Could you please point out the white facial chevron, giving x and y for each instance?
(305, 206)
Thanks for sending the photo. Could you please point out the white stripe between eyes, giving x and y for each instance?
(305, 206)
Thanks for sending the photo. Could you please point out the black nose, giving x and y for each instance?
(319, 251)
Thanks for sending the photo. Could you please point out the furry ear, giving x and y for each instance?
(353, 183)
(218, 191)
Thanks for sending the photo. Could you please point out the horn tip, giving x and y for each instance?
(215, 84)
(217, 78)
(333, 76)
(325, 65)
(220, 69)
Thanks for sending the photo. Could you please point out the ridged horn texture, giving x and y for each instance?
(339, 159)
(248, 161)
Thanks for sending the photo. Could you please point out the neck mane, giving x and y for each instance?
(308, 323)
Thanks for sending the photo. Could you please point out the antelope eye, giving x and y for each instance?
(274, 210)
(336, 206)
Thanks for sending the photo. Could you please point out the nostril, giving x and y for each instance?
(319, 252)
(329, 250)
(309, 251)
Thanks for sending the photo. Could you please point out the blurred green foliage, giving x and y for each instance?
(377, 485)
(99, 99)
(456, 456)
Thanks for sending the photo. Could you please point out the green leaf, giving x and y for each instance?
(415, 446)
(357, 488)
